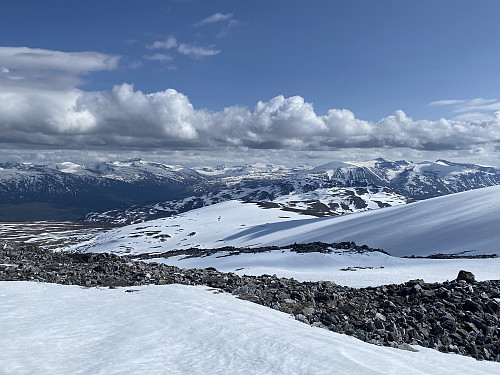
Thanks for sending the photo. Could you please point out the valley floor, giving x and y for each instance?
(176, 329)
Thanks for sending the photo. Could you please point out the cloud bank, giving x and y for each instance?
(34, 113)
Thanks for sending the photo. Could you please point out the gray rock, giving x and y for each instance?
(466, 276)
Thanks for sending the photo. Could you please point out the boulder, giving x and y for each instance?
(466, 276)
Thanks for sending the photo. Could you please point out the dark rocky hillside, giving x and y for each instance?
(31, 192)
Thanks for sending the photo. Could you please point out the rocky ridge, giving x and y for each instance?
(460, 316)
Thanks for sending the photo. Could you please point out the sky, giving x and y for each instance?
(295, 82)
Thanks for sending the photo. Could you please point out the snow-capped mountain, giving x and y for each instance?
(136, 190)
(331, 189)
(414, 180)
(69, 191)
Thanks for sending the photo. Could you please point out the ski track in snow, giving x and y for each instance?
(175, 329)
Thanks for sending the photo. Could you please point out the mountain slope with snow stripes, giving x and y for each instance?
(462, 222)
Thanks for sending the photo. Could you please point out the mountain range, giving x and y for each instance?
(134, 190)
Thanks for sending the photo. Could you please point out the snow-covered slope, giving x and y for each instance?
(206, 227)
(340, 200)
(175, 329)
(319, 202)
(461, 222)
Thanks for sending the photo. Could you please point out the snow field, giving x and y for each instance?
(452, 223)
(363, 270)
(175, 329)
(449, 224)
(467, 221)
(204, 227)
(461, 222)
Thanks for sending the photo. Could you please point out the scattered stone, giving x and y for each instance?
(461, 316)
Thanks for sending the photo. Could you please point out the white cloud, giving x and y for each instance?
(196, 51)
(475, 117)
(477, 110)
(125, 117)
(64, 116)
(479, 104)
(446, 102)
(134, 64)
(217, 17)
(40, 67)
(170, 42)
(24, 58)
(182, 48)
(159, 57)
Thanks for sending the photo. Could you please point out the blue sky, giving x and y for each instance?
(397, 67)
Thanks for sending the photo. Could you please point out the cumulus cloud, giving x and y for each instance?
(125, 117)
(67, 117)
(217, 17)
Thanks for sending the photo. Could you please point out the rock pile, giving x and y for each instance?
(313, 247)
(461, 316)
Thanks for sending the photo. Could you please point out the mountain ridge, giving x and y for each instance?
(136, 190)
